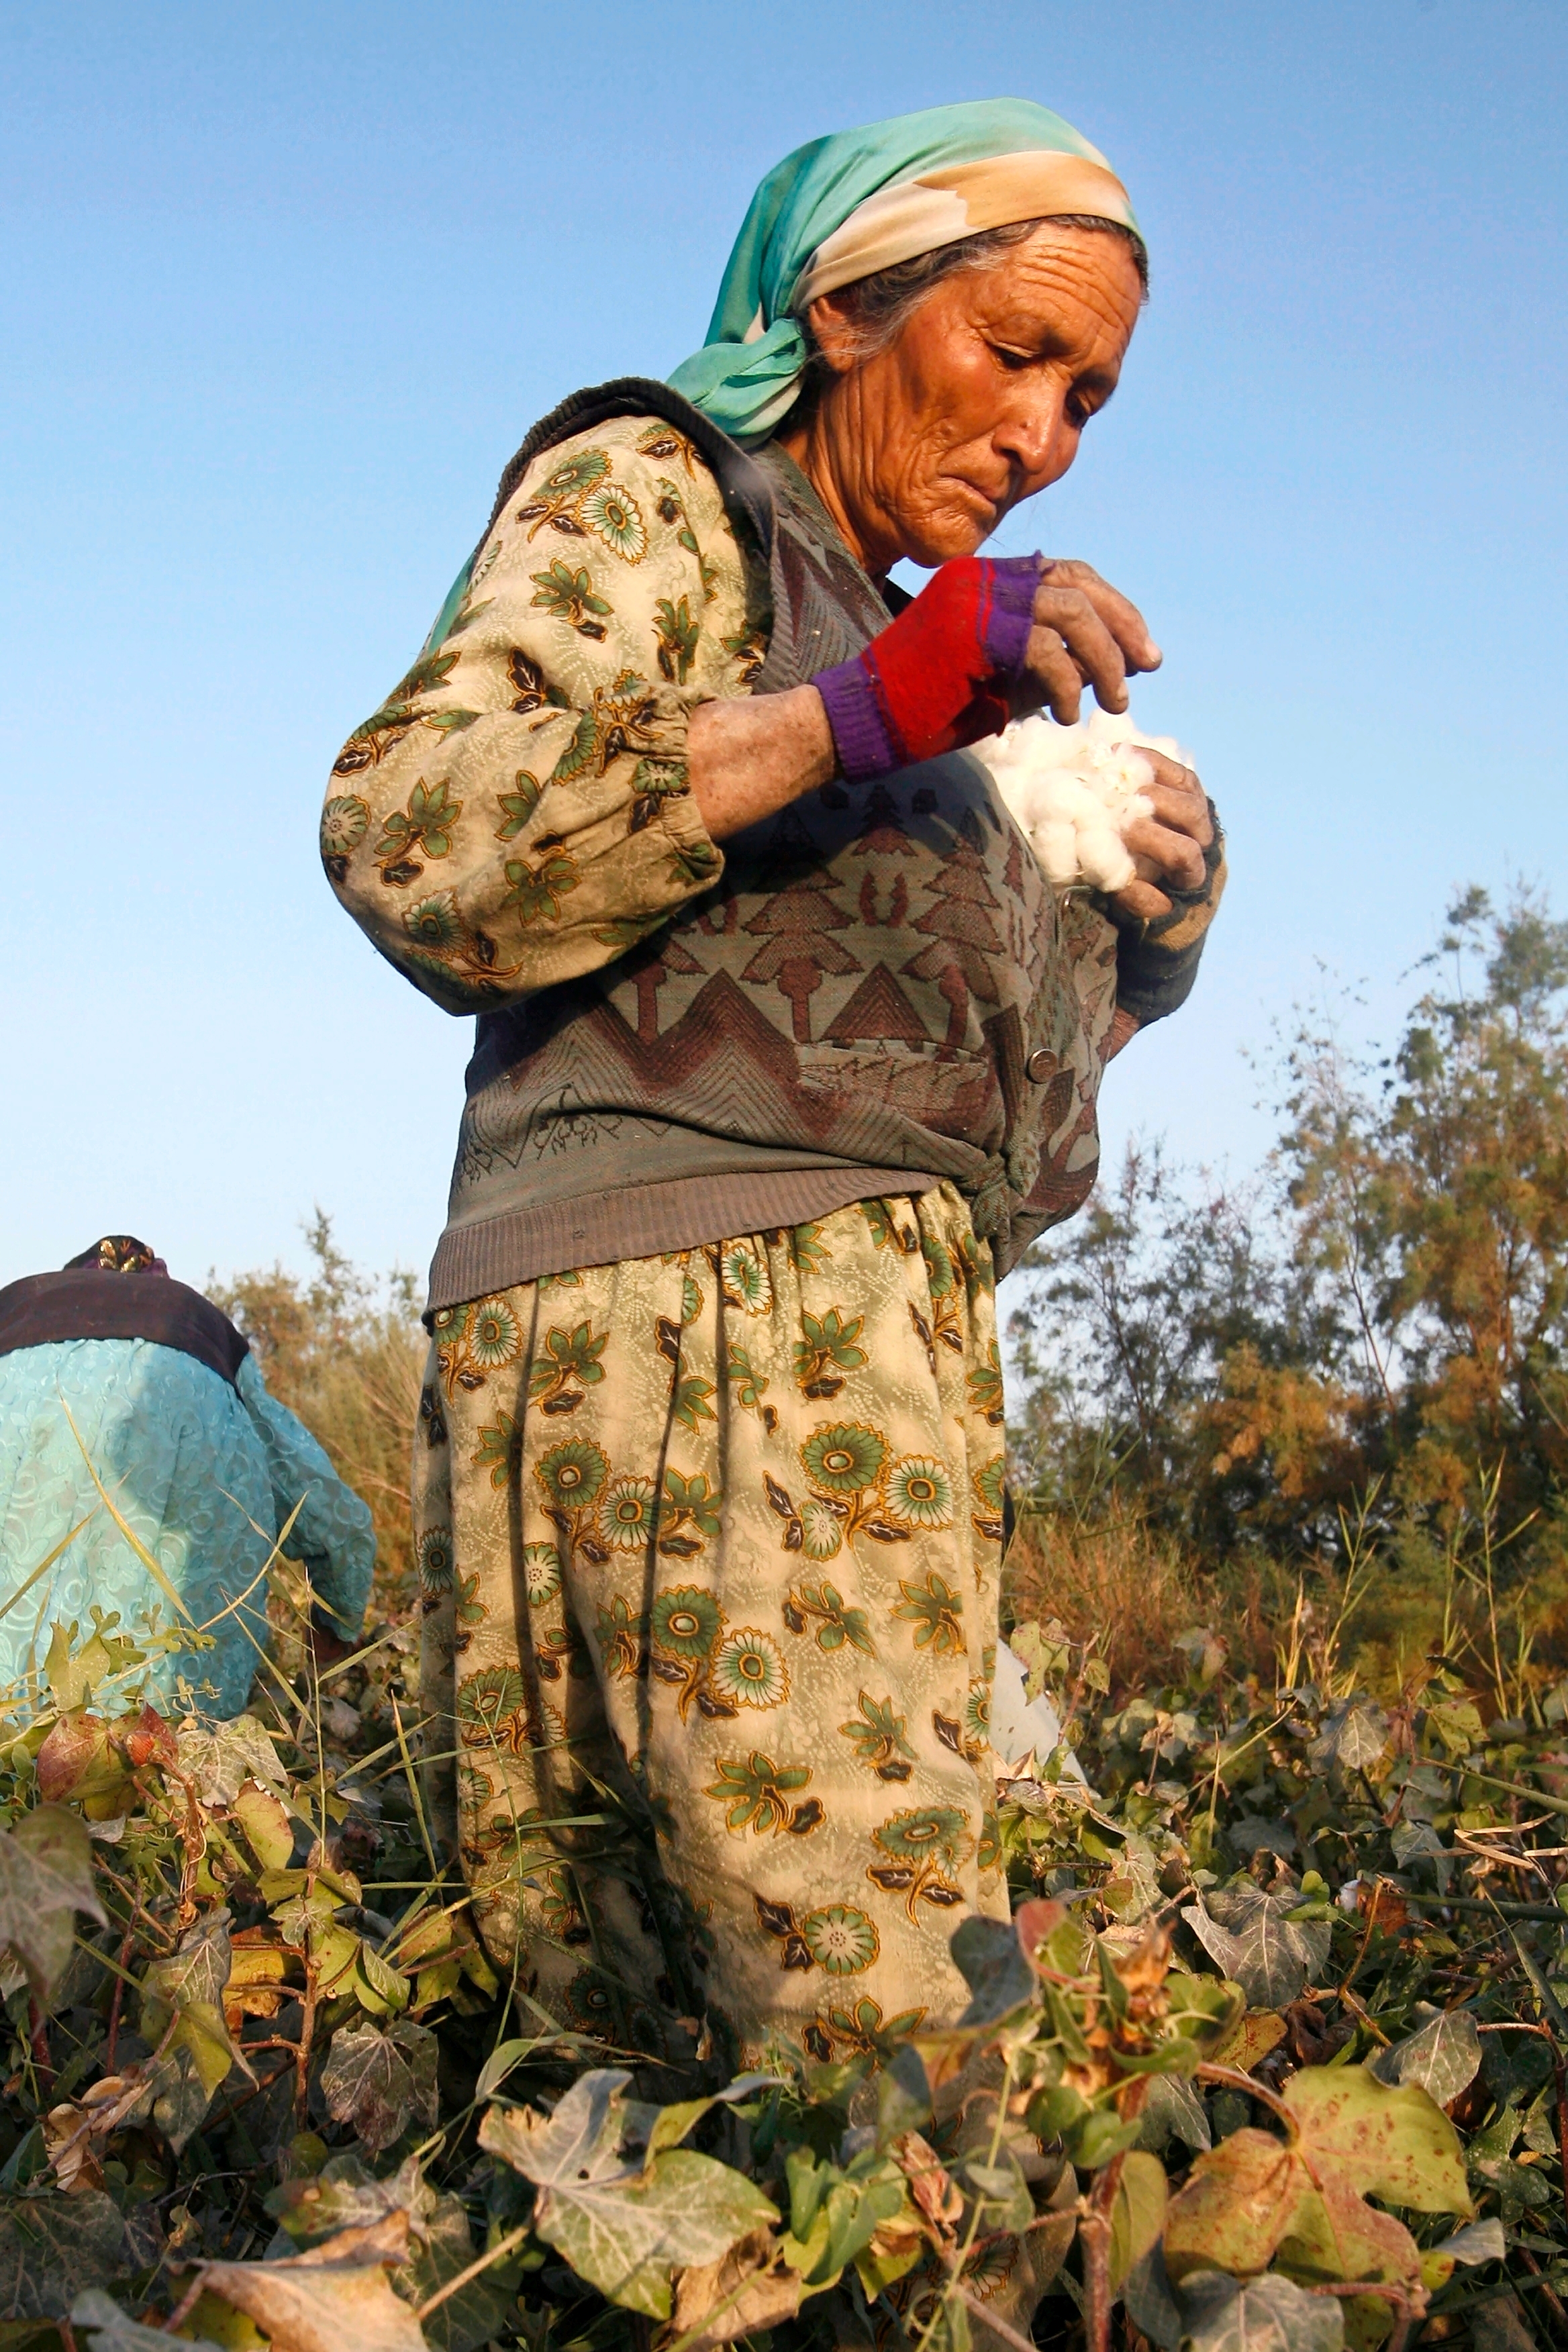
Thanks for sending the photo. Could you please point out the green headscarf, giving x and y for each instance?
(859, 201)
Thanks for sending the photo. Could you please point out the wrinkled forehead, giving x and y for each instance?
(953, 201)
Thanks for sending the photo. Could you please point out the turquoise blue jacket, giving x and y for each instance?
(203, 1472)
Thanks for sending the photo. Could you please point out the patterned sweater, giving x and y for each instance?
(864, 994)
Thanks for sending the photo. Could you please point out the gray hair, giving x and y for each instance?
(880, 306)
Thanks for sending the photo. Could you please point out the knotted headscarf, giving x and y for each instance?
(859, 201)
(117, 1253)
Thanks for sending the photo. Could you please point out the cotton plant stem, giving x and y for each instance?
(186, 2304)
(1094, 2236)
(972, 2304)
(1553, 2301)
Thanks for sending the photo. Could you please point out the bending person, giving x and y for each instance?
(133, 1413)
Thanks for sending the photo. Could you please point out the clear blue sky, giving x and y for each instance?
(285, 285)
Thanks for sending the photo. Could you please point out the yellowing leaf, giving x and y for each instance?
(268, 1831)
(212, 2320)
(1336, 2236)
(1239, 2201)
(331, 2298)
(110, 2329)
(1250, 2041)
(1394, 2142)
(750, 2287)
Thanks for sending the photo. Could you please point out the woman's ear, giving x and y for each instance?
(834, 332)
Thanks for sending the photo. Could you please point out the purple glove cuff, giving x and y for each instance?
(862, 736)
(1009, 614)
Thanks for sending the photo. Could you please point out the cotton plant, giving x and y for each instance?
(1077, 791)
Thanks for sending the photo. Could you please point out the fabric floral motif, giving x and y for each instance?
(540, 1573)
(749, 1666)
(345, 821)
(770, 1637)
(841, 1940)
(760, 1794)
(433, 1562)
(614, 515)
(552, 718)
(568, 596)
(924, 1847)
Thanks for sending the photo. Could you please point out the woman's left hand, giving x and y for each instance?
(1167, 846)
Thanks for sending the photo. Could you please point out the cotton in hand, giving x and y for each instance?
(1076, 791)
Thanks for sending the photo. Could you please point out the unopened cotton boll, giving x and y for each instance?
(1077, 791)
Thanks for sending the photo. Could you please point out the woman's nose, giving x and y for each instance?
(1034, 438)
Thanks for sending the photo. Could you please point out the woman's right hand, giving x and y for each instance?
(1085, 632)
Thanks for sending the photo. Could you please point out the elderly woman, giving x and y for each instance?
(786, 1051)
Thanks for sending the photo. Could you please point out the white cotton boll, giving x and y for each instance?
(1076, 792)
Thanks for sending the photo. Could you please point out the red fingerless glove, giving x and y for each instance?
(938, 676)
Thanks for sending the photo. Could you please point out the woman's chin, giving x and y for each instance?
(931, 539)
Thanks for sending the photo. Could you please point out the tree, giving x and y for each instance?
(1384, 1315)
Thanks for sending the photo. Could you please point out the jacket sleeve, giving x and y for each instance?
(333, 1533)
(517, 812)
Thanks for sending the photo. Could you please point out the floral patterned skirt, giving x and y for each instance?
(709, 1552)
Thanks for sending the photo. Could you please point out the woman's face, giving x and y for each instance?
(978, 403)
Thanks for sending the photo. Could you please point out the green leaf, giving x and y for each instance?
(185, 1990)
(1137, 2212)
(382, 1988)
(625, 2238)
(620, 2227)
(221, 1757)
(1151, 2300)
(988, 1954)
(1353, 1737)
(1476, 2243)
(196, 1971)
(903, 2095)
(377, 2081)
(46, 1877)
(1456, 1724)
(110, 2329)
(1443, 2057)
(54, 2248)
(579, 2140)
(476, 2313)
(346, 2195)
(1259, 2314)
(1171, 2110)
(500, 2061)
(1009, 2205)
(1250, 1937)
(1394, 2144)
(1102, 2134)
